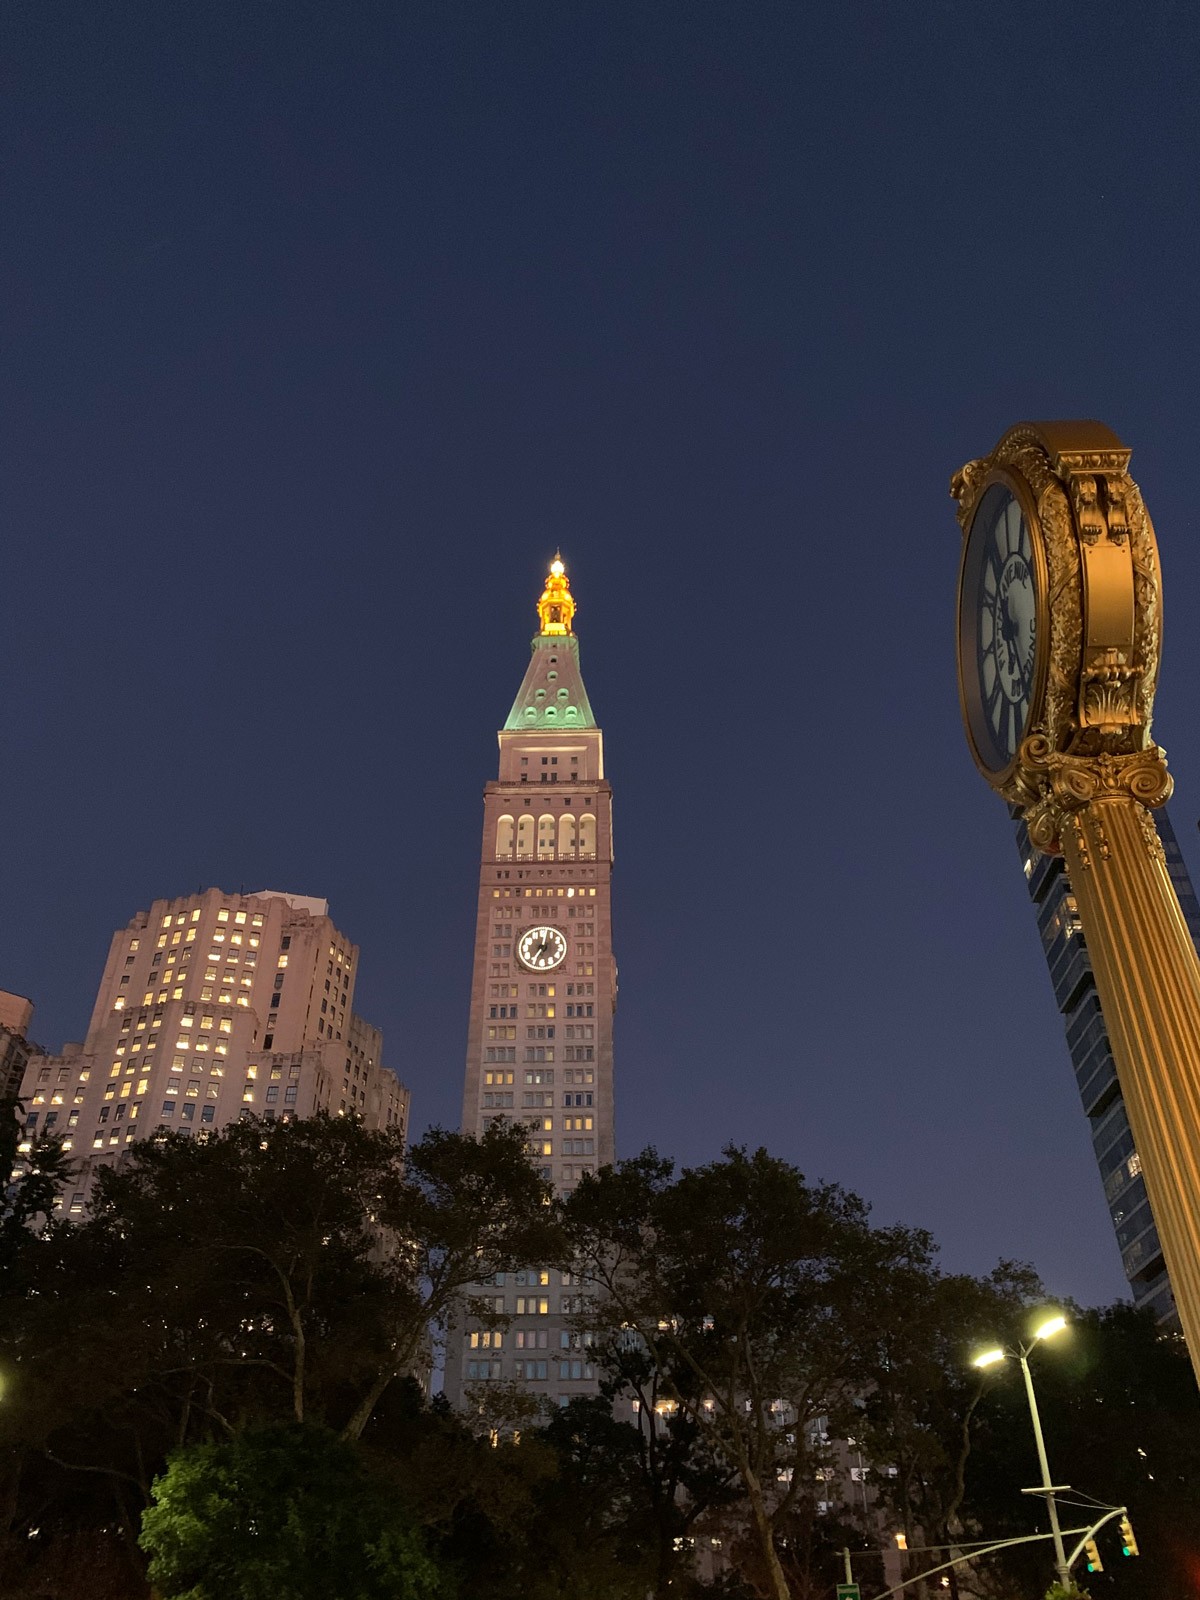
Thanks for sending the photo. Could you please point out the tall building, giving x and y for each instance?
(1095, 1071)
(16, 1013)
(543, 988)
(211, 1006)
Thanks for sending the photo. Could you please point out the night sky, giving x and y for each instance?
(327, 324)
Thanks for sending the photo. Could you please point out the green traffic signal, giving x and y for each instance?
(1094, 1563)
(1128, 1542)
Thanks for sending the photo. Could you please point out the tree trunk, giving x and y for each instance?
(765, 1532)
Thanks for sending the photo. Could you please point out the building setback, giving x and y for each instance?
(213, 1006)
(16, 1013)
(543, 991)
(1095, 1071)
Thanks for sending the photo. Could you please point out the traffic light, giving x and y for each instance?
(1093, 1557)
(1128, 1542)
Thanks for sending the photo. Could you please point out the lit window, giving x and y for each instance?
(223, 914)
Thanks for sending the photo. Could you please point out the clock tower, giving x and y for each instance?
(543, 989)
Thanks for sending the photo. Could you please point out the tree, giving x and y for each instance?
(29, 1197)
(288, 1513)
(273, 1272)
(754, 1296)
(919, 1407)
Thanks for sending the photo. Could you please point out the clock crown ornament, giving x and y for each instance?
(1059, 621)
(556, 608)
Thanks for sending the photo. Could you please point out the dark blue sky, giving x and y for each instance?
(326, 324)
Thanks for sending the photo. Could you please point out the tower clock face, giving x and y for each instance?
(541, 949)
(998, 628)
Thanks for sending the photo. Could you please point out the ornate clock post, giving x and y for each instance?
(1059, 629)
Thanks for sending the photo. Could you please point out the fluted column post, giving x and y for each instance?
(1147, 976)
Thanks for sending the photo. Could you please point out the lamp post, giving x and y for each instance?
(988, 1358)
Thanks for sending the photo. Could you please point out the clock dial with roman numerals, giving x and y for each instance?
(998, 627)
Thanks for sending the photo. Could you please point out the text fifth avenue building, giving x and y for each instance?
(543, 991)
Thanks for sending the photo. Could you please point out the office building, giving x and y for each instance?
(543, 989)
(211, 1006)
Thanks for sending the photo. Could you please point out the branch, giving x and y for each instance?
(103, 1472)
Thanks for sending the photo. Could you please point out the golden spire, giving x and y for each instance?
(557, 606)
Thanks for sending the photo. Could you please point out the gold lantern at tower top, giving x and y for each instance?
(556, 608)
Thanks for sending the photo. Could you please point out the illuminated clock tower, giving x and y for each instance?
(544, 987)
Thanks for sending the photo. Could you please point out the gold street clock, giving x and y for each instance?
(1059, 635)
(1059, 616)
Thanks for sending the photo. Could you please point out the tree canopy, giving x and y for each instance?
(214, 1381)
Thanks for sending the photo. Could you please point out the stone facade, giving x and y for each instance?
(211, 1006)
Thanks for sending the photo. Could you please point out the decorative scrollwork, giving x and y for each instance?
(1054, 786)
(1150, 834)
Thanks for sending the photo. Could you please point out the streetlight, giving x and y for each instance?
(989, 1358)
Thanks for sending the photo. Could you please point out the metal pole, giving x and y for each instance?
(1060, 1554)
(849, 1568)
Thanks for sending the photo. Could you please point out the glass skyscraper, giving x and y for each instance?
(1095, 1072)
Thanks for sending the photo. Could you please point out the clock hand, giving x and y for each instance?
(1008, 631)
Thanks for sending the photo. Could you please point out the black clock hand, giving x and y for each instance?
(1008, 632)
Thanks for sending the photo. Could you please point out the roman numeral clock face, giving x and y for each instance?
(998, 628)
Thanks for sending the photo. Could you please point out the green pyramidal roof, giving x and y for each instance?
(552, 694)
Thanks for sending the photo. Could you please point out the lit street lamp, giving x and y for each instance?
(988, 1358)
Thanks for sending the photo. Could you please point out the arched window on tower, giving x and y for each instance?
(566, 835)
(545, 837)
(525, 838)
(504, 837)
(587, 836)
